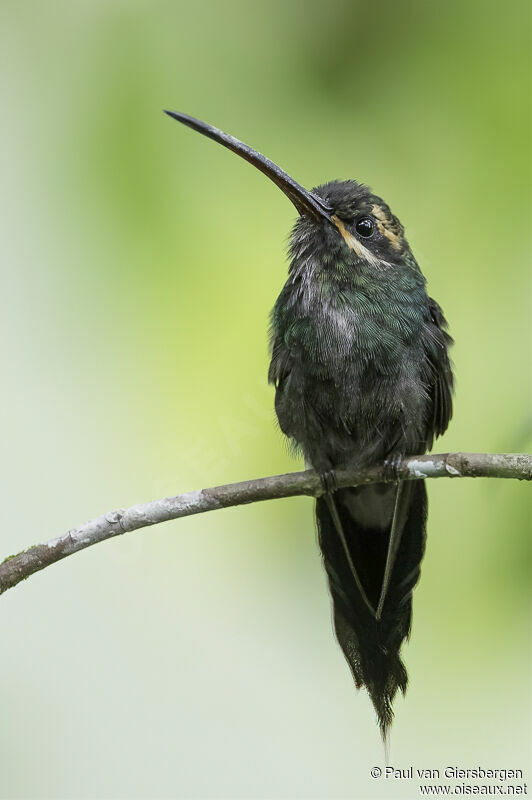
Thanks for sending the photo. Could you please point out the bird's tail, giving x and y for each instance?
(354, 535)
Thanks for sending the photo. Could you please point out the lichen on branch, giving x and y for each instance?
(17, 568)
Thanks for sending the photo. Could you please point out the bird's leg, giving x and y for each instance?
(391, 467)
(328, 480)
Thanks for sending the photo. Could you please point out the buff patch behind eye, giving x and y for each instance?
(385, 227)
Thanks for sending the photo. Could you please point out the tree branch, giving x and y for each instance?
(449, 465)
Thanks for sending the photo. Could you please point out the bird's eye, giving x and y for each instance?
(365, 227)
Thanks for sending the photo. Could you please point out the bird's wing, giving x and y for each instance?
(279, 375)
(439, 375)
(280, 363)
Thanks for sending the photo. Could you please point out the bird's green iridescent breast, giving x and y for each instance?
(352, 313)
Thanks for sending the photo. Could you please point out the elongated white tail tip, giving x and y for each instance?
(386, 743)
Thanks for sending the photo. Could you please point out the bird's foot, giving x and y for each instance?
(391, 467)
(328, 481)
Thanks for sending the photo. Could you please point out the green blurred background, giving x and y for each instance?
(140, 261)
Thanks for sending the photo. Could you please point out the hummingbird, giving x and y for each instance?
(362, 377)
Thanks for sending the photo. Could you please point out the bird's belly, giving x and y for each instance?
(350, 412)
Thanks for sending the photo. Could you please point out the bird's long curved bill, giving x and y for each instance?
(305, 202)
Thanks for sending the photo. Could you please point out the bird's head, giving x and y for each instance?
(364, 222)
(344, 215)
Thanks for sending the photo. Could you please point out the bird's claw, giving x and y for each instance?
(328, 481)
(391, 467)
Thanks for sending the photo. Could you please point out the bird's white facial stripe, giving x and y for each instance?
(354, 245)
